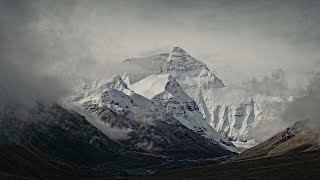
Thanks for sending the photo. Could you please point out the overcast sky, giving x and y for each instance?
(40, 40)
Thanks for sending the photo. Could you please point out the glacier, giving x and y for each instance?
(231, 111)
(157, 122)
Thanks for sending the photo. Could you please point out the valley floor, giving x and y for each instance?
(295, 166)
(19, 163)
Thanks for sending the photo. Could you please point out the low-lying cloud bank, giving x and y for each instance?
(304, 107)
(275, 84)
(307, 106)
(45, 50)
(47, 46)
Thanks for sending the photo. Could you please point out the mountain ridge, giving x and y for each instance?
(297, 138)
(145, 120)
(170, 97)
(234, 113)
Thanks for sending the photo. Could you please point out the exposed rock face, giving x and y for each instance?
(150, 125)
(300, 137)
(65, 142)
(166, 93)
(231, 112)
(180, 65)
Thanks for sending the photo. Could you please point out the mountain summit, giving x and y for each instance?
(232, 112)
(179, 64)
(178, 51)
(152, 115)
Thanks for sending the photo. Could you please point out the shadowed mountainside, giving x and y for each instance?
(291, 154)
(294, 166)
(297, 138)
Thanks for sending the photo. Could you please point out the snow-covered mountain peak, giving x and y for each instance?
(179, 64)
(167, 94)
(161, 84)
(178, 52)
(152, 85)
(232, 112)
(117, 83)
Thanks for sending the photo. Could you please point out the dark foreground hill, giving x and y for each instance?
(63, 145)
(298, 138)
(21, 163)
(53, 142)
(294, 166)
(291, 154)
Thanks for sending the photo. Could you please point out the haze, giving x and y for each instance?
(46, 45)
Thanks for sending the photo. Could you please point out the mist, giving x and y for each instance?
(307, 106)
(43, 55)
(273, 84)
(304, 107)
(46, 46)
(48, 43)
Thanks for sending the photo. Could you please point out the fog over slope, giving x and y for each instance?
(304, 107)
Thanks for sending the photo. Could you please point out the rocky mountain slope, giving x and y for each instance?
(304, 166)
(23, 163)
(232, 112)
(167, 94)
(300, 137)
(147, 125)
(66, 139)
(110, 131)
(293, 153)
(51, 142)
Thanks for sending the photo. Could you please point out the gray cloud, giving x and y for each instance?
(275, 84)
(43, 54)
(304, 107)
(45, 45)
(307, 106)
(21, 78)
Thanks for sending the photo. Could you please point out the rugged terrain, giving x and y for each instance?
(52, 134)
(174, 113)
(291, 154)
(298, 138)
(292, 166)
(233, 112)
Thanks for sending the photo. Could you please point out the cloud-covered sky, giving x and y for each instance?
(43, 43)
